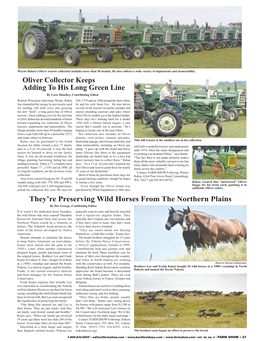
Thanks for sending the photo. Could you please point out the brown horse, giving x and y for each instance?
(214, 230)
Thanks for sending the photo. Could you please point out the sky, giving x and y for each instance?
(163, 281)
(151, 236)
(213, 15)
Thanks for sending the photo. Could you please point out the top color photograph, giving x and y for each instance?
(130, 37)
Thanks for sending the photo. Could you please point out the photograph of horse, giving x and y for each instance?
(199, 233)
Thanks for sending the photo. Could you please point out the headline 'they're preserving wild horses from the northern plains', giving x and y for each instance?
(214, 230)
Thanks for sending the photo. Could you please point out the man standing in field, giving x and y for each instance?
(167, 98)
(198, 156)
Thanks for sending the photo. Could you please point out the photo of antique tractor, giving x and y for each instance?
(168, 121)
(70, 40)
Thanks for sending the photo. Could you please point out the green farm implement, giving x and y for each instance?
(222, 162)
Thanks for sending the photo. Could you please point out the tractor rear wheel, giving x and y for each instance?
(164, 51)
(146, 118)
(214, 128)
(223, 44)
(190, 47)
(127, 53)
(34, 43)
(233, 114)
(156, 52)
(225, 116)
(72, 57)
(217, 170)
(102, 55)
(138, 52)
(139, 107)
(198, 47)
(166, 122)
(176, 50)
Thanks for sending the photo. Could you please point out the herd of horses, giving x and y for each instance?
(154, 296)
(203, 230)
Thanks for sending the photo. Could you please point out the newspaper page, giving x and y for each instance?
(127, 197)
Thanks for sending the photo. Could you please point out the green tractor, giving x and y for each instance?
(232, 101)
(69, 41)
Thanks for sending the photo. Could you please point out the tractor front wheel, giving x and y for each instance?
(34, 44)
(183, 47)
(127, 53)
(156, 52)
(102, 55)
(190, 47)
(217, 170)
(218, 45)
(146, 118)
(72, 57)
(110, 55)
(166, 122)
(233, 114)
(138, 52)
(214, 128)
(225, 116)
(207, 47)
(176, 50)
(198, 47)
(164, 51)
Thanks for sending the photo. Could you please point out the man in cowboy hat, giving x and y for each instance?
(167, 98)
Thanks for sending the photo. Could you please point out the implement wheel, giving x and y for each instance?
(238, 164)
(72, 57)
(138, 52)
(146, 118)
(156, 52)
(166, 122)
(127, 53)
(233, 114)
(214, 128)
(217, 170)
(34, 44)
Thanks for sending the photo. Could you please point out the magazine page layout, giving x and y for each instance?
(128, 208)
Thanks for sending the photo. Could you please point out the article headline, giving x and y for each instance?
(65, 84)
(119, 198)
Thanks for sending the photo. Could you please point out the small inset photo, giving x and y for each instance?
(190, 109)
(219, 162)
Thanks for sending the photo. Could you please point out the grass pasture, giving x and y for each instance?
(223, 58)
(228, 174)
(234, 129)
(232, 253)
(152, 316)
